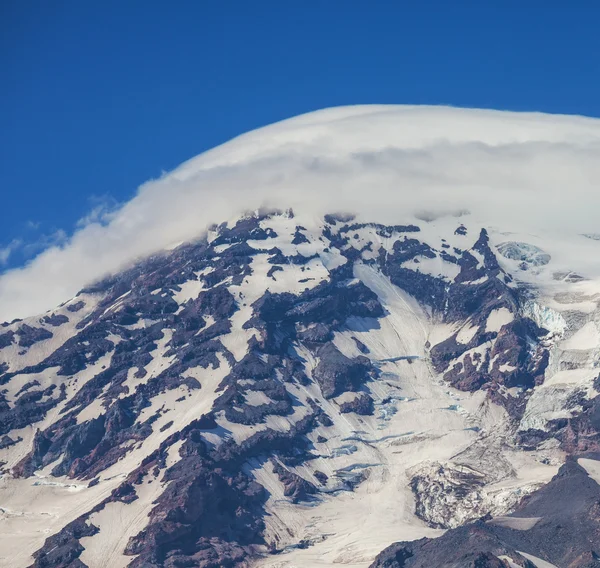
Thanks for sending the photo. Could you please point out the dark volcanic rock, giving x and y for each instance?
(411, 555)
(321, 477)
(566, 534)
(361, 346)
(336, 373)
(362, 404)
(244, 229)
(77, 306)
(280, 258)
(580, 434)
(295, 487)
(6, 339)
(317, 333)
(30, 407)
(385, 231)
(55, 320)
(62, 550)
(7, 441)
(261, 370)
(29, 335)
(299, 237)
(334, 218)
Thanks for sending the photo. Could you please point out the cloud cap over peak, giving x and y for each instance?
(519, 171)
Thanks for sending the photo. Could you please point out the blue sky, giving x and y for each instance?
(98, 97)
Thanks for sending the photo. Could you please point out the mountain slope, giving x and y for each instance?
(298, 391)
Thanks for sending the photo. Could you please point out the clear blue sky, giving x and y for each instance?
(97, 97)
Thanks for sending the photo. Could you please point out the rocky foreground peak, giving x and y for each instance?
(298, 392)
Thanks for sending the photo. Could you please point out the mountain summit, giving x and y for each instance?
(528, 173)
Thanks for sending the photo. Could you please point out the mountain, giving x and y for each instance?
(292, 390)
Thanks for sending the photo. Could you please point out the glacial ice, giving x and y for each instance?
(545, 317)
(524, 252)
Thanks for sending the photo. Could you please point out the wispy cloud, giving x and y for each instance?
(534, 171)
(56, 238)
(103, 209)
(7, 251)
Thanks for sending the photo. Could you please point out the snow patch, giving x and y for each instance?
(497, 319)
(592, 467)
(585, 338)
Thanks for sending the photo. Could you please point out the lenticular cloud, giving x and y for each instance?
(518, 171)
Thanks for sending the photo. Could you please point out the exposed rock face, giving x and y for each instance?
(362, 404)
(215, 391)
(559, 523)
(581, 434)
(296, 488)
(30, 335)
(55, 320)
(63, 549)
(336, 373)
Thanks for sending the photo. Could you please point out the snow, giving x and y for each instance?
(545, 317)
(292, 278)
(91, 411)
(422, 422)
(516, 523)
(241, 432)
(510, 561)
(546, 404)
(389, 445)
(13, 454)
(345, 397)
(35, 511)
(388, 164)
(571, 373)
(538, 562)
(585, 338)
(570, 377)
(190, 290)
(406, 317)
(256, 398)
(572, 302)
(18, 357)
(46, 378)
(31, 512)
(497, 319)
(156, 366)
(592, 467)
(436, 267)
(117, 523)
(524, 252)
(466, 333)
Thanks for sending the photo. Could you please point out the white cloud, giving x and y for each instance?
(55, 239)
(8, 250)
(102, 209)
(528, 171)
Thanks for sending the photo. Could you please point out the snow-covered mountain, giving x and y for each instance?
(412, 384)
(298, 391)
